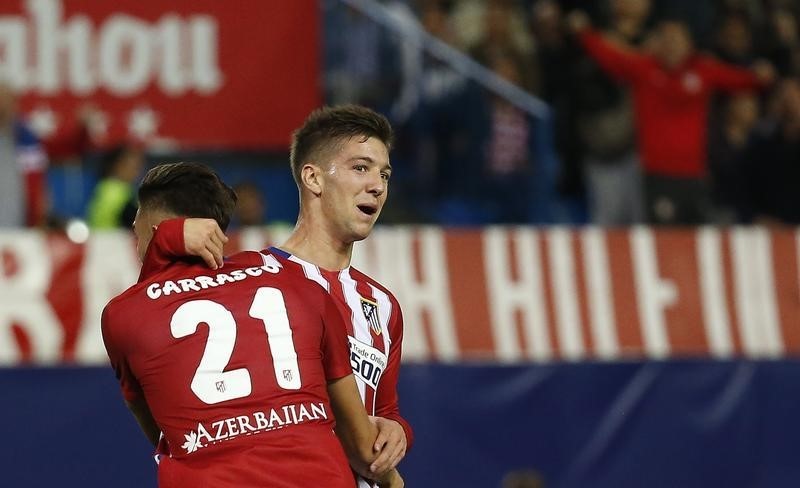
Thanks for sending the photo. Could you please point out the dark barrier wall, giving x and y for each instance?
(653, 424)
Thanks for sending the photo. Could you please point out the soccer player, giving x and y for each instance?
(234, 367)
(340, 162)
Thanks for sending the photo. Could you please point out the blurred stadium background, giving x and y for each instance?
(542, 348)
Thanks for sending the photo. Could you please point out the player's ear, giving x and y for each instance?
(311, 177)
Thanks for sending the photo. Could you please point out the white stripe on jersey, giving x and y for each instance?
(269, 260)
(385, 314)
(357, 319)
(312, 273)
(358, 322)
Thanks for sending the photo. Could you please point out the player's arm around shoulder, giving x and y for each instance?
(356, 433)
(179, 237)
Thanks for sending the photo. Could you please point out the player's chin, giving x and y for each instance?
(362, 230)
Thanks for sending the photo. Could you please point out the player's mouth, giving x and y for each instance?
(367, 209)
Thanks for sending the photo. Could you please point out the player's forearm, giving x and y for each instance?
(355, 431)
(166, 245)
(357, 443)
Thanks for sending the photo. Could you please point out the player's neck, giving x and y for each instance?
(316, 245)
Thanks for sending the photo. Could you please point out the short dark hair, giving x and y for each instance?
(329, 126)
(188, 190)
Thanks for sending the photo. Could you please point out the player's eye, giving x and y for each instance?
(385, 175)
(360, 167)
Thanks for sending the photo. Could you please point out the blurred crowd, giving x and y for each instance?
(675, 112)
(112, 169)
(663, 112)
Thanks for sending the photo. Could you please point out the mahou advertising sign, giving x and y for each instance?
(200, 73)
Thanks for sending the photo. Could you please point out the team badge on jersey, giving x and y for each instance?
(370, 310)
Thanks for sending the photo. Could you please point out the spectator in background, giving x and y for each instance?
(436, 123)
(783, 41)
(251, 206)
(734, 42)
(425, 81)
(360, 67)
(113, 203)
(23, 163)
(499, 39)
(552, 49)
(671, 93)
(727, 151)
(556, 55)
(508, 161)
(772, 168)
(606, 127)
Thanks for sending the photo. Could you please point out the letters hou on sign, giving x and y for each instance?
(44, 52)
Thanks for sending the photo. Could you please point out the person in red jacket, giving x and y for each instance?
(672, 88)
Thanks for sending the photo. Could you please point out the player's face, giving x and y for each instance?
(143, 228)
(355, 187)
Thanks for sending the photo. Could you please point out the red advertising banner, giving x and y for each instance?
(498, 294)
(199, 73)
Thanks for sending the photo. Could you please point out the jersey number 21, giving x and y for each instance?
(211, 383)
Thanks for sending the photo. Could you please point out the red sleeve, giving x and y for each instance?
(131, 390)
(35, 206)
(166, 245)
(619, 62)
(386, 399)
(335, 346)
(730, 78)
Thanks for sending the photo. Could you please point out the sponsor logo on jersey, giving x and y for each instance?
(367, 362)
(254, 423)
(370, 310)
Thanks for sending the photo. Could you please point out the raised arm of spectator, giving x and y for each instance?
(618, 61)
(730, 78)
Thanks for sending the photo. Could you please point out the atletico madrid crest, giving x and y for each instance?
(370, 310)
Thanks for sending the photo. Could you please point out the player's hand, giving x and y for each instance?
(390, 443)
(391, 480)
(204, 238)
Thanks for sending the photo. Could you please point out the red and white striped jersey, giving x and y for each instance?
(375, 330)
(372, 317)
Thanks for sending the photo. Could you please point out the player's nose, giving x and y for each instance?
(376, 185)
